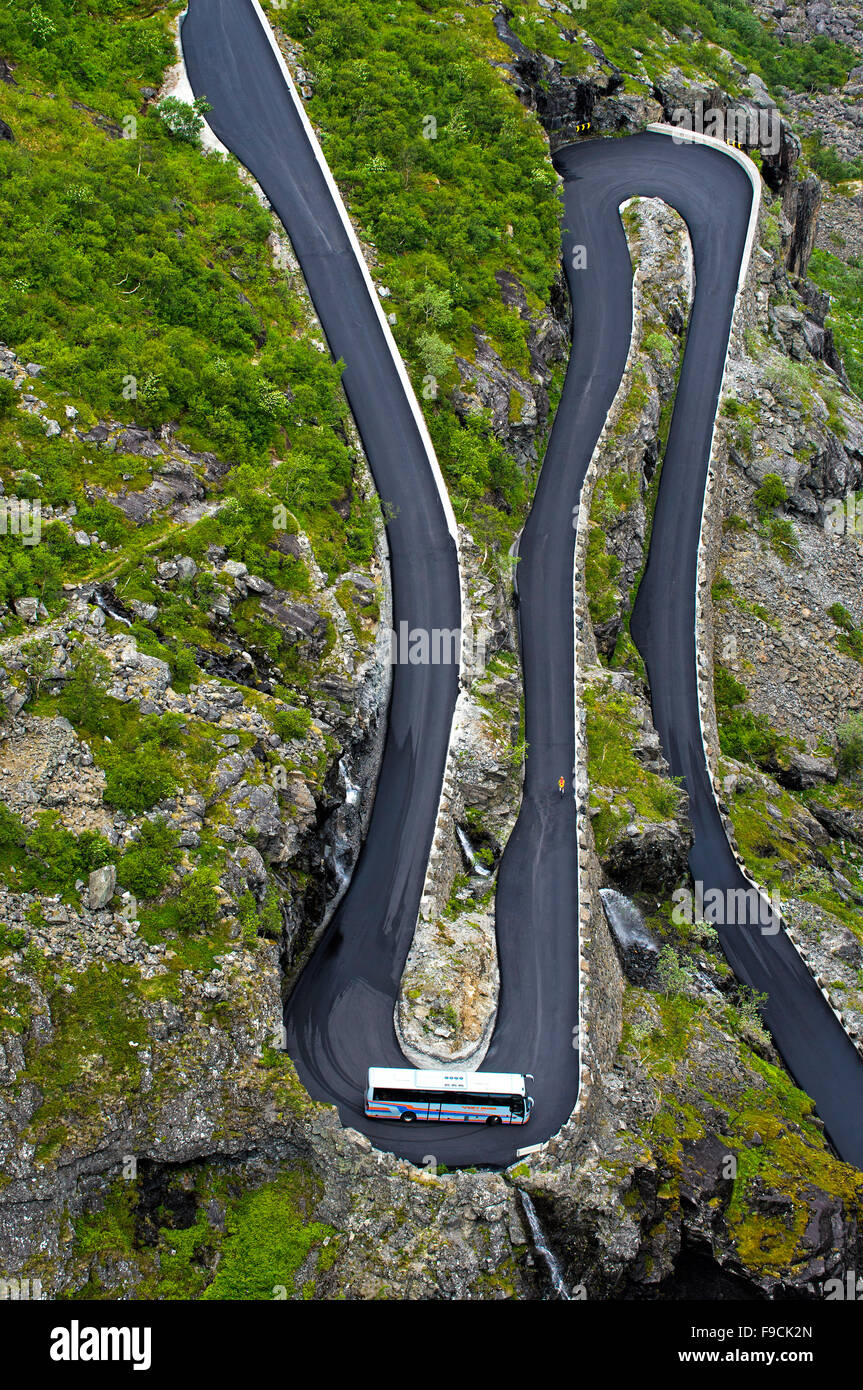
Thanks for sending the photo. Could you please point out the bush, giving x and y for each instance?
(771, 494)
(8, 397)
(850, 639)
(197, 905)
(673, 976)
(64, 857)
(182, 119)
(783, 538)
(748, 737)
(435, 355)
(84, 699)
(828, 163)
(727, 690)
(849, 737)
(184, 667)
(12, 832)
(136, 778)
(291, 723)
(147, 867)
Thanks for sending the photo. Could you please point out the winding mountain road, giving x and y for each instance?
(339, 1018)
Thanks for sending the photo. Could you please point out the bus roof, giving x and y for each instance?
(491, 1082)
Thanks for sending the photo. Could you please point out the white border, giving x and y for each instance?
(410, 396)
(413, 404)
(336, 196)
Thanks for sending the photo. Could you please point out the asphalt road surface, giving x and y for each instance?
(339, 1018)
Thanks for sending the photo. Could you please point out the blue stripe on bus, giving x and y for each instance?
(393, 1111)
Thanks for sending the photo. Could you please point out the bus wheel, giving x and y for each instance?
(408, 1116)
(493, 1120)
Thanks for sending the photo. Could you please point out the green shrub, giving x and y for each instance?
(136, 778)
(184, 667)
(850, 639)
(291, 723)
(84, 697)
(844, 283)
(12, 831)
(849, 737)
(828, 163)
(147, 867)
(742, 733)
(674, 977)
(662, 345)
(771, 494)
(727, 689)
(183, 119)
(198, 905)
(54, 851)
(783, 538)
(8, 397)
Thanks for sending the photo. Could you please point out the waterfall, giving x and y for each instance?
(106, 607)
(470, 856)
(352, 791)
(636, 946)
(541, 1247)
(622, 913)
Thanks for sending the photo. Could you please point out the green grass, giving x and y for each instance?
(844, 283)
(150, 264)
(743, 734)
(613, 767)
(268, 1237)
(828, 164)
(670, 1037)
(97, 1030)
(850, 638)
(448, 176)
(622, 27)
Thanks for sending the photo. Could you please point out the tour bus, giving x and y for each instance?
(490, 1097)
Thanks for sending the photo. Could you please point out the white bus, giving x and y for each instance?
(491, 1097)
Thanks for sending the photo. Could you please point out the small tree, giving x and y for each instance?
(198, 905)
(184, 120)
(849, 737)
(136, 778)
(147, 866)
(771, 494)
(436, 355)
(84, 700)
(40, 660)
(673, 976)
(433, 305)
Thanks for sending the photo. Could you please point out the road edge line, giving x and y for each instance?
(696, 137)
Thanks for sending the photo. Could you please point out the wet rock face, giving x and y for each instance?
(648, 858)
